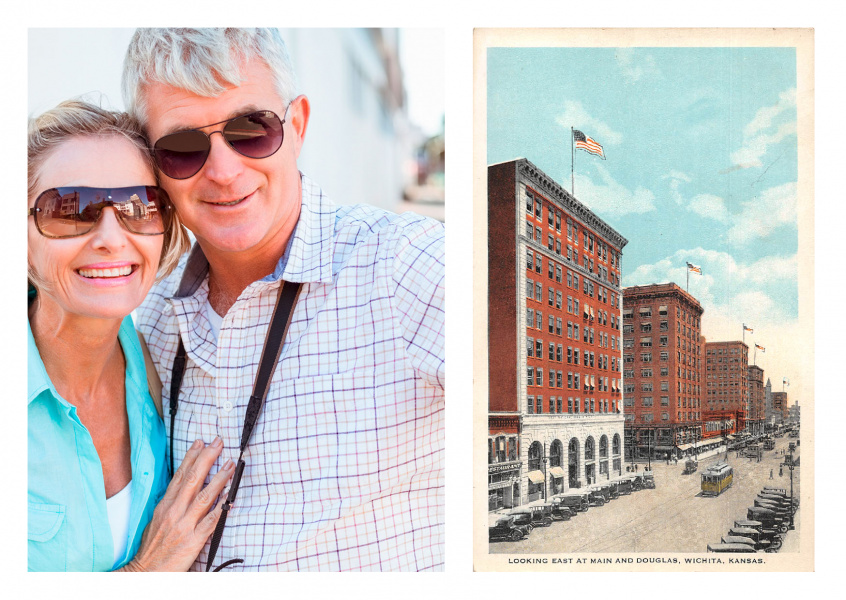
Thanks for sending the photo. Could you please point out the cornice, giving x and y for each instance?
(568, 202)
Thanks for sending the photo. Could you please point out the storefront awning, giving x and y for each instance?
(685, 446)
(556, 472)
(535, 476)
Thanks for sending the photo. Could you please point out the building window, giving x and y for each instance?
(665, 386)
(665, 401)
(665, 356)
(665, 371)
(538, 291)
(538, 235)
(550, 242)
(551, 296)
(662, 340)
(665, 416)
(558, 299)
(539, 348)
(538, 263)
(539, 377)
(558, 273)
(539, 405)
(530, 378)
(539, 317)
(551, 324)
(531, 405)
(558, 221)
(530, 317)
(537, 208)
(570, 405)
(646, 372)
(559, 353)
(551, 351)
(646, 387)
(530, 347)
(646, 357)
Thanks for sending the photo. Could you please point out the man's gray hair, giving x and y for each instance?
(201, 61)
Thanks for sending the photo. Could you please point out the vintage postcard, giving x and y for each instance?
(644, 360)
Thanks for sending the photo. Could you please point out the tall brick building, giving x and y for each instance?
(726, 373)
(755, 405)
(780, 407)
(662, 370)
(555, 399)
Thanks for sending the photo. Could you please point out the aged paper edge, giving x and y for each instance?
(803, 41)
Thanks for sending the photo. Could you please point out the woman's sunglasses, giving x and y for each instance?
(182, 154)
(72, 211)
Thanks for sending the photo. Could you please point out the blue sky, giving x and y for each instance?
(701, 166)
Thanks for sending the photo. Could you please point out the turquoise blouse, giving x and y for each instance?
(68, 524)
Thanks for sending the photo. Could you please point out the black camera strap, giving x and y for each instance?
(282, 312)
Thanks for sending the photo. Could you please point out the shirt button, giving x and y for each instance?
(227, 406)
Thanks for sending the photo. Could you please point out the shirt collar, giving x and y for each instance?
(308, 256)
(39, 381)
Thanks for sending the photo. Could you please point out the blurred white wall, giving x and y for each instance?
(360, 144)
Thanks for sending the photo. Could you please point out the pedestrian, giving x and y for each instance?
(771, 473)
(780, 471)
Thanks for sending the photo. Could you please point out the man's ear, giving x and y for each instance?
(299, 113)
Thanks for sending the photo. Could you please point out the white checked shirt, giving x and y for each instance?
(344, 471)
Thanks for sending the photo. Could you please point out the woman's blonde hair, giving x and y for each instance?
(76, 118)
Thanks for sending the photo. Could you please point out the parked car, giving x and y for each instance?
(535, 515)
(575, 501)
(690, 466)
(730, 548)
(560, 510)
(648, 479)
(506, 528)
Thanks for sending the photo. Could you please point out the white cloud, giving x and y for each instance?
(775, 207)
(635, 65)
(729, 288)
(758, 135)
(710, 206)
(730, 294)
(608, 197)
(575, 115)
(676, 178)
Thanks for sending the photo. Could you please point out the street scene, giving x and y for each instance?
(672, 517)
(643, 281)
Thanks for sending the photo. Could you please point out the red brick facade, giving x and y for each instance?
(662, 360)
(554, 355)
(726, 374)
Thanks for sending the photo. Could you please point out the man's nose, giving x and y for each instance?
(223, 165)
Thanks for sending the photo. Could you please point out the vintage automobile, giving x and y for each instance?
(769, 444)
(781, 492)
(768, 518)
(539, 514)
(506, 528)
(730, 548)
(690, 466)
(625, 486)
(770, 536)
(736, 539)
(560, 511)
(613, 489)
(648, 479)
(522, 518)
(576, 501)
(750, 533)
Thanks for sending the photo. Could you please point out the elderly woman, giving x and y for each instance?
(100, 232)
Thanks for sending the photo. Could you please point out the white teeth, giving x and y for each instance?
(116, 272)
(233, 203)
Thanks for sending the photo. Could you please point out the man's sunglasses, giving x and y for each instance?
(67, 212)
(182, 154)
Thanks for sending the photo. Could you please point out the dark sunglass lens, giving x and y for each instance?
(257, 135)
(66, 212)
(140, 209)
(180, 155)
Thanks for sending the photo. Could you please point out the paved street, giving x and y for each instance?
(674, 517)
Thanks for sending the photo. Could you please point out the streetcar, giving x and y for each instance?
(716, 479)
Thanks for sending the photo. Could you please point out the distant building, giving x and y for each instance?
(769, 413)
(662, 358)
(794, 413)
(554, 358)
(726, 374)
(755, 404)
(780, 407)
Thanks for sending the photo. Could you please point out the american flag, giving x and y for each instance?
(587, 143)
(749, 329)
(761, 348)
(694, 268)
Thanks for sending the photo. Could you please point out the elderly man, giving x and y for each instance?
(343, 469)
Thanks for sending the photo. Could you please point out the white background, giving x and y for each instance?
(459, 19)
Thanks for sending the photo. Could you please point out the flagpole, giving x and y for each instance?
(755, 356)
(572, 162)
(688, 279)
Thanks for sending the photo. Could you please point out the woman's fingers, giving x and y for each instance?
(206, 496)
(176, 483)
(194, 474)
